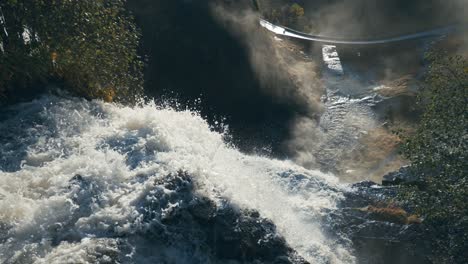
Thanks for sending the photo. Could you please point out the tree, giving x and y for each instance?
(438, 153)
(289, 15)
(296, 10)
(89, 45)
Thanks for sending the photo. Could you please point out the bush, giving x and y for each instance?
(89, 45)
(296, 11)
(438, 153)
(289, 15)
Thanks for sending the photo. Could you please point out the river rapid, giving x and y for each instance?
(93, 182)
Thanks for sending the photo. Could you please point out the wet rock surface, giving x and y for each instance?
(402, 176)
(379, 232)
(227, 234)
(224, 233)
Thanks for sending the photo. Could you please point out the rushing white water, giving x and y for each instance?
(121, 153)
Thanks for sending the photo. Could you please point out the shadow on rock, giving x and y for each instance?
(208, 232)
(381, 233)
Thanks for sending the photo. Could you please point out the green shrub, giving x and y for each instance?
(296, 11)
(289, 15)
(89, 45)
(438, 153)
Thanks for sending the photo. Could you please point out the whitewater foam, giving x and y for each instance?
(73, 174)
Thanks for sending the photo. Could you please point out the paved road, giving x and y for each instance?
(279, 30)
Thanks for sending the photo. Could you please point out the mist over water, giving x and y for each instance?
(76, 178)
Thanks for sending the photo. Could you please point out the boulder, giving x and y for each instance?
(380, 232)
(402, 176)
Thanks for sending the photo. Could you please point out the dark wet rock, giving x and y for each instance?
(367, 192)
(202, 208)
(245, 235)
(177, 216)
(402, 176)
(379, 233)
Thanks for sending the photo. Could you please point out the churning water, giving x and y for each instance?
(76, 178)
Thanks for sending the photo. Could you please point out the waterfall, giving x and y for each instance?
(88, 182)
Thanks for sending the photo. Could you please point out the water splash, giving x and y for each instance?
(74, 175)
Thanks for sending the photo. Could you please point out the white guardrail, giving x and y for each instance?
(280, 30)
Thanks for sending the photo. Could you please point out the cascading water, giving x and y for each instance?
(93, 182)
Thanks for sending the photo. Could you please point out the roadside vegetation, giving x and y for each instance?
(289, 15)
(89, 47)
(438, 151)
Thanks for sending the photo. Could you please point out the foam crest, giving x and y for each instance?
(74, 175)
